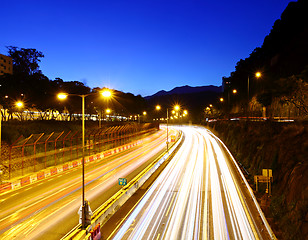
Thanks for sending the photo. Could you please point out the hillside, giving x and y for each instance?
(186, 90)
(194, 99)
(284, 149)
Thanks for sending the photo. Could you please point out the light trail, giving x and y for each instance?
(199, 195)
(48, 209)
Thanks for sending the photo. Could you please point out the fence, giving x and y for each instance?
(40, 151)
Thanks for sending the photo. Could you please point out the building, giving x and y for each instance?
(6, 65)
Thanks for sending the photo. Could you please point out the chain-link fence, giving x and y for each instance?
(40, 151)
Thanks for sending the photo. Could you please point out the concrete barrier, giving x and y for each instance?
(58, 169)
(105, 211)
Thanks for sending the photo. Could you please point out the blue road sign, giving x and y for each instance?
(122, 181)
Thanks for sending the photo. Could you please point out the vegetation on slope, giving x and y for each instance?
(284, 149)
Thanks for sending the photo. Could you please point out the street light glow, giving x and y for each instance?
(144, 113)
(234, 91)
(62, 96)
(221, 99)
(176, 107)
(158, 107)
(106, 93)
(19, 104)
(258, 74)
(108, 110)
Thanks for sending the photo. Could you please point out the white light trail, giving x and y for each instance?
(197, 196)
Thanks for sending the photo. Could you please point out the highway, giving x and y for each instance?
(201, 194)
(47, 209)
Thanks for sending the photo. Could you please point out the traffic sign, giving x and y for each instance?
(122, 181)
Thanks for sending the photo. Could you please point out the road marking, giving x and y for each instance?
(158, 236)
(170, 205)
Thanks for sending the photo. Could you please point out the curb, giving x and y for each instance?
(46, 173)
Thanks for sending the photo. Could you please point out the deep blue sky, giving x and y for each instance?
(139, 46)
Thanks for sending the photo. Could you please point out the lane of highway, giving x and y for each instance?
(199, 195)
(48, 209)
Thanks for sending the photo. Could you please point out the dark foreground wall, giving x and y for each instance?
(282, 147)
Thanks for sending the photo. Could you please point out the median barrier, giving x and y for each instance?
(5, 187)
(33, 178)
(25, 181)
(53, 171)
(47, 173)
(58, 169)
(103, 213)
(40, 175)
(16, 184)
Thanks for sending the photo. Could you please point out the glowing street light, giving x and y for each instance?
(176, 107)
(234, 91)
(19, 104)
(144, 113)
(63, 96)
(258, 75)
(221, 99)
(106, 93)
(158, 108)
(108, 110)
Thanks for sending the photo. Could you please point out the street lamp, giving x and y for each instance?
(18, 104)
(106, 93)
(258, 75)
(63, 96)
(158, 108)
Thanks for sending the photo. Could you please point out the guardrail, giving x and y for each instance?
(40, 175)
(41, 151)
(106, 210)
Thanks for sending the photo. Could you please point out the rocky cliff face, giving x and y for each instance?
(282, 147)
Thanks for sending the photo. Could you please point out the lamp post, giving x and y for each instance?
(234, 91)
(258, 75)
(167, 142)
(167, 131)
(18, 104)
(63, 96)
(106, 94)
(0, 145)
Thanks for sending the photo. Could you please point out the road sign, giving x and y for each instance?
(267, 172)
(122, 181)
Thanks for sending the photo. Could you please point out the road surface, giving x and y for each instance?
(48, 209)
(200, 194)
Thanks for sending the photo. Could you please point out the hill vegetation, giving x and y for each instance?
(283, 63)
(282, 147)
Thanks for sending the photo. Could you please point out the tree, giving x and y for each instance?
(296, 93)
(25, 60)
